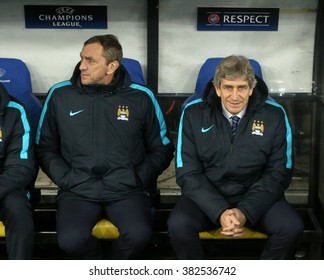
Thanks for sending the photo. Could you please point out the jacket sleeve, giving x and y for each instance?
(18, 167)
(275, 177)
(159, 147)
(48, 145)
(190, 173)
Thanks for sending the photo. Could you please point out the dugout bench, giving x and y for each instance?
(309, 248)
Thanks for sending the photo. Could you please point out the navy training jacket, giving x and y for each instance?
(103, 142)
(17, 161)
(249, 171)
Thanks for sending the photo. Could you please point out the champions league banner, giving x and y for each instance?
(237, 19)
(66, 17)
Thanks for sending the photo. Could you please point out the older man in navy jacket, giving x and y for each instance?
(234, 162)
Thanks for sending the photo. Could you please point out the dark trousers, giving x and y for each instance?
(281, 222)
(17, 217)
(76, 216)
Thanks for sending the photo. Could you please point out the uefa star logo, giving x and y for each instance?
(213, 18)
(65, 10)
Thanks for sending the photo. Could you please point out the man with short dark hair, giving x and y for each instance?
(103, 140)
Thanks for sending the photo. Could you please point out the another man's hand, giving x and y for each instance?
(232, 222)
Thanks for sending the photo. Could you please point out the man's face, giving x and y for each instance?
(234, 94)
(94, 67)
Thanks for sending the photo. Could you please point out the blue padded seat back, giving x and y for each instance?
(134, 69)
(206, 73)
(15, 77)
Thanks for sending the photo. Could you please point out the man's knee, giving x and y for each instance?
(295, 227)
(292, 229)
(72, 242)
(179, 223)
(20, 221)
(138, 236)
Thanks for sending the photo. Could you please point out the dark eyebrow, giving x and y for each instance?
(89, 58)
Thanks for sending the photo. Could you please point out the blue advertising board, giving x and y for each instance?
(66, 17)
(240, 19)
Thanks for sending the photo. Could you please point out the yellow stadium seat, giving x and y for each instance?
(216, 234)
(2, 230)
(105, 229)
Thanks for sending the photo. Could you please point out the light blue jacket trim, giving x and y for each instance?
(159, 115)
(41, 119)
(179, 145)
(26, 135)
(288, 134)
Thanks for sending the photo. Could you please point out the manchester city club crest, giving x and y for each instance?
(123, 113)
(258, 128)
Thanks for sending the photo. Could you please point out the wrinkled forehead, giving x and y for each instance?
(235, 76)
(235, 82)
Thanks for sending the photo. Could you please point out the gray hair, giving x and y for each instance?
(234, 67)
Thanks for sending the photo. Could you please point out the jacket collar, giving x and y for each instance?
(121, 80)
(4, 98)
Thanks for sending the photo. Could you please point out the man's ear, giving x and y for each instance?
(112, 67)
(217, 91)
